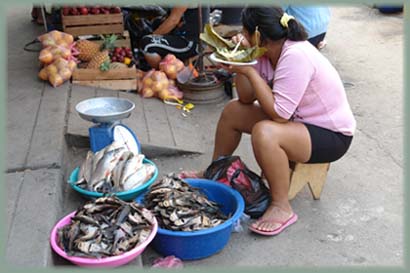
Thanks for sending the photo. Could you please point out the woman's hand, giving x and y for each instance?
(235, 39)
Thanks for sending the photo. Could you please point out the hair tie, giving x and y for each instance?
(285, 19)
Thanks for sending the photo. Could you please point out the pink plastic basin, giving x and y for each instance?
(113, 261)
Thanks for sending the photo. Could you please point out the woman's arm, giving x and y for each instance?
(171, 21)
(244, 89)
(263, 94)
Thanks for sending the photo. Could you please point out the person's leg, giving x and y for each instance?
(155, 47)
(236, 118)
(274, 145)
(152, 50)
(153, 59)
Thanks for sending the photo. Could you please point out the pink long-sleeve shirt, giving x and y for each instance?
(307, 88)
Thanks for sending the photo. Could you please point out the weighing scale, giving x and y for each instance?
(107, 113)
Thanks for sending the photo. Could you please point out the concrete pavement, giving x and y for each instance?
(357, 222)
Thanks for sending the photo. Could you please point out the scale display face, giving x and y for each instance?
(123, 134)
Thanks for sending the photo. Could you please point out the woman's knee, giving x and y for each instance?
(265, 132)
(231, 109)
(153, 59)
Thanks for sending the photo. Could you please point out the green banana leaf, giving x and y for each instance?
(224, 49)
(241, 55)
(212, 38)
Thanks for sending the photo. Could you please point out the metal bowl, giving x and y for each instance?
(105, 109)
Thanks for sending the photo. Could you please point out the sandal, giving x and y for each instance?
(292, 219)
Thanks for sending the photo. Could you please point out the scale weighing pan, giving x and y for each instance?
(105, 109)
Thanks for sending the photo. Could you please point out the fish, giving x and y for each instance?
(131, 166)
(118, 235)
(106, 165)
(84, 173)
(88, 165)
(90, 232)
(117, 171)
(139, 177)
(86, 219)
(181, 207)
(96, 159)
(73, 233)
(108, 169)
(105, 227)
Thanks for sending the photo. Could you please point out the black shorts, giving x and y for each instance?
(181, 47)
(317, 39)
(327, 146)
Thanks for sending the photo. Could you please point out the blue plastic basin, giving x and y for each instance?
(193, 245)
(124, 195)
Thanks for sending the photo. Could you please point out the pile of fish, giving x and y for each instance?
(181, 207)
(114, 169)
(106, 227)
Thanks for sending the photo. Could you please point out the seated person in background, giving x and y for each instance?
(178, 34)
(315, 20)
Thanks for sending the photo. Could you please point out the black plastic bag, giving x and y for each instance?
(232, 171)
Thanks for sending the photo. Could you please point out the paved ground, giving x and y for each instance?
(357, 222)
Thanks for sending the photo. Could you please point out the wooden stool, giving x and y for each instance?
(312, 174)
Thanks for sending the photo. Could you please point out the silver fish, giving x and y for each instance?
(97, 157)
(116, 176)
(138, 178)
(100, 154)
(131, 166)
(106, 165)
(114, 146)
(88, 166)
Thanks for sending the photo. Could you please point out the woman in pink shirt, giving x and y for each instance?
(293, 104)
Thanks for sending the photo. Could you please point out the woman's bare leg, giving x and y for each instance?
(236, 118)
(274, 144)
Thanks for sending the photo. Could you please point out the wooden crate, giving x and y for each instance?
(93, 24)
(114, 79)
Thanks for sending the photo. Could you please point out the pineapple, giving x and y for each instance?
(101, 60)
(87, 50)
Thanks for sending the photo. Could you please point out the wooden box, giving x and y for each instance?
(114, 79)
(93, 24)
